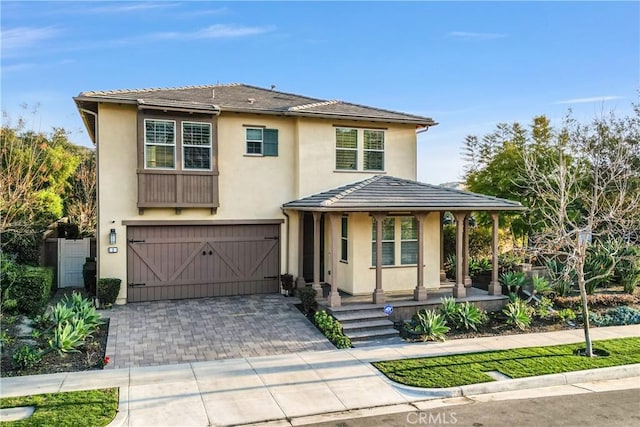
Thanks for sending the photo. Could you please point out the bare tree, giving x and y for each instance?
(588, 191)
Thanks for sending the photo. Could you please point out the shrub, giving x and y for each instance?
(108, 290)
(513, 281)
(627, 269)
(468, 316)
(518, 314)
(428, 324)
(332, 329)
(307, 297)
(448, 309)
(616, 316)
(26, 357)
(287, 283)
(32, 290)
(66, 338)
(565, 315)
(598, 262)
(544, 308)
(599, 300)
(23, 242)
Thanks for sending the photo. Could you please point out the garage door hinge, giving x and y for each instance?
(133, 285)
(136, 241)
(271, 238)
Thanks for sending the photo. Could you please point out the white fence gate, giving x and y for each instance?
(71, 258)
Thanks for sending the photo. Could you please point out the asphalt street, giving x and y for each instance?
(618, 408)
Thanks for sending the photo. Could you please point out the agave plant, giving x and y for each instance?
(513, 280)
(431, 325)
(65, 339)
(541, 286)
(518, 314)
(448, 309)
(468, 316)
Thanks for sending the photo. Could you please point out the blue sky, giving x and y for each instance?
(469, 65)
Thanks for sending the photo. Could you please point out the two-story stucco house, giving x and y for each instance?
(217, 190)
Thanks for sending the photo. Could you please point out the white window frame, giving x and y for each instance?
(355, 168)
(373, 150)
(175, 137)
(209, 146)
(246, 141)
(344, 239)
(397, 242)
(399, 219)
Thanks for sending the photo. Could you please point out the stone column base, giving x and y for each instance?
(420, 294)
(443, 276)
(467, 282)
(459, 291)
(318, 289)
(334, 300)
(495, 288)
(378, 296)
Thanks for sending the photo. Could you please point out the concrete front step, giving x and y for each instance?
(371, 334)
(361, 315)
(367, 325)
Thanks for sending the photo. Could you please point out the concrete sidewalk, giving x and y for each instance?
(290, 389)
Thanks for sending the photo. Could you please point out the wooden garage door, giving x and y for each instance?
(173, 262)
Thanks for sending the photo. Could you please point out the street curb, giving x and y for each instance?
(122, 416)
(566, 378)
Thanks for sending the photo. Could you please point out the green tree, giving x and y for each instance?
(80, 204)
(34, 174)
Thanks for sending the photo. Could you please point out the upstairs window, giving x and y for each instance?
(262, 141)
(350, 155)
(346, 149)
(196, 145)
(160, 144)
(373, 150)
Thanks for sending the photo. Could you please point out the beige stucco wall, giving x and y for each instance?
(252, 187)
(317, 148)
(394, 278)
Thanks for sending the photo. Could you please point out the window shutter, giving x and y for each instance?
(270, 142)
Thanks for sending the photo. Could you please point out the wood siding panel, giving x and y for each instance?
(177, 189)
(175, 262)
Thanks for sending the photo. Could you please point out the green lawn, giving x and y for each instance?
(91, 408)
(463, 369)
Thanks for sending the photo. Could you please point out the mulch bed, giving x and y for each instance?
(90, 357)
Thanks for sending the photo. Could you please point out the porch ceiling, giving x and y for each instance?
(388, 194)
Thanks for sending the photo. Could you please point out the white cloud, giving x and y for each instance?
(124, 7)
(218, 31)
(466, 35)
(589, 99)
(25, 37)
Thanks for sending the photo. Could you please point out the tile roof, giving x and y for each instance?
(388, 193)
(244, 98)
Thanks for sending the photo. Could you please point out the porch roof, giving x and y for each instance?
(388, 193)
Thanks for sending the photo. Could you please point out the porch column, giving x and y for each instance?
(420, 292)
(378, 294)
(316, 253)
(300, 282)
(467, 277)
(494, 287)
(459, 290)
(443, 274)
(335, 224)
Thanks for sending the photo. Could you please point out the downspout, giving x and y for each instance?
(286, 260)
(95, 141)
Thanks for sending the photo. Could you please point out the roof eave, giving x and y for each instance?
(407, 209)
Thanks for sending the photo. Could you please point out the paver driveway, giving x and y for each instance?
(169, 332)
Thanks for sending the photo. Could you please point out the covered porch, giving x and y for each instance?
(386, 242)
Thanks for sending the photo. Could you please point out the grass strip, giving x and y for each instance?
(462, 369)
(90, 408)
